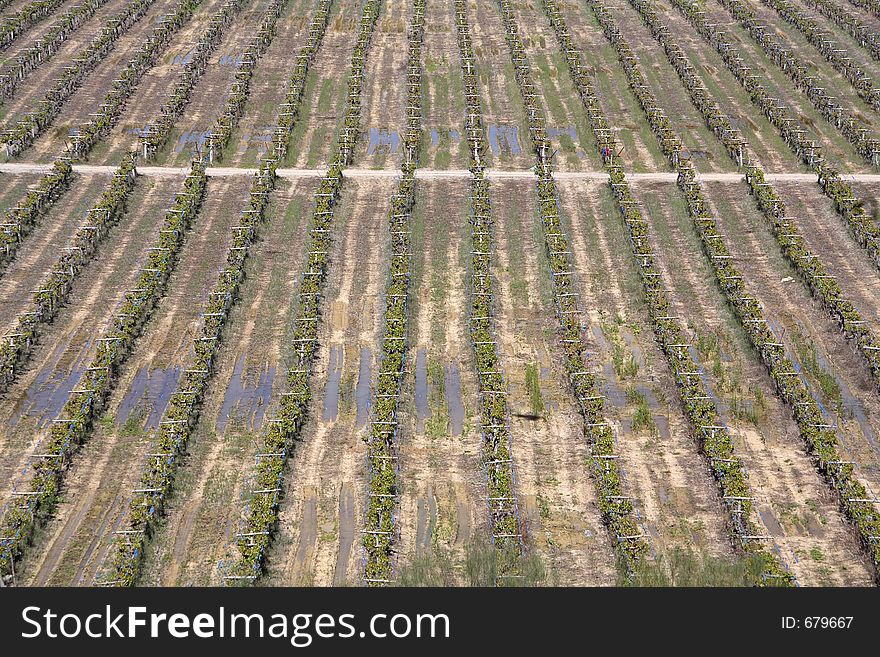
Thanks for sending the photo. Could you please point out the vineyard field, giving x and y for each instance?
(441, 292)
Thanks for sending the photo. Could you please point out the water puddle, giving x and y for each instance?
(568, 130)
(600, 338)
(346, 534)
(150, 392)
(770, 522)
(184, 59)
(660, 419)
(454, 136)
(46, 396)
(231, 59)
(137, 132)
(191, 138)
(245, 398)
(452, 385)
(427, 517)
(383, 141)
(362, 390)
(261, 138)
(331, 390)
(695, 155)
(421, 389)
(504, 139)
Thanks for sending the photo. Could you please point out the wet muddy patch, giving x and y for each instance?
(441, 134)
(260, 138)
(567, 139)
(231, 59)
(362, 389)
(426, 520)
(330, 409)
(455, 408)
(383, 141)
(247, 397)
(347, 523)
(504, 139)
(421, 389)
(184, 58)
(47, 394)
(191, 139)
(148, 395)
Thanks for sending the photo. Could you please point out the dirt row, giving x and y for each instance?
(836, 148)
(567, 120)
(557, 495)
(384, 95)
(806, 327)
(835, 83)
(442, 503)
(270, 80)
(203, 511)
(839, 34)
(503, 111)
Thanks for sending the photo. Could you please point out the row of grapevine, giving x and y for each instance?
(259, 516)
(380, 528)
(813, 273)
(858, 30)
(19, 342)
(494, 410)
(847, 203)
(26, 130)
(20, 219)
(85, 403)
(855, 129)
(181, 416)
(699, 406)
(43, 50)
(819, 436)
(15, 25)
(617, 510)
(833, 52)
